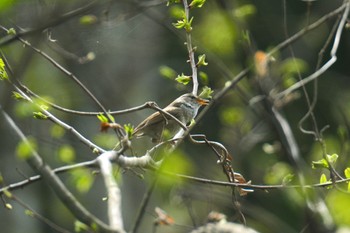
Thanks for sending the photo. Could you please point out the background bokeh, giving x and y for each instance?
(118, 50)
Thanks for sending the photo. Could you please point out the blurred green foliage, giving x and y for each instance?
(128, 49)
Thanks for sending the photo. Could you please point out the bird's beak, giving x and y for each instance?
(202, 102)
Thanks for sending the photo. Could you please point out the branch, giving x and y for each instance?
(113, 191)
(333, 52)
(69, 74)
(61, 19)
(191, 51)
(67, 198)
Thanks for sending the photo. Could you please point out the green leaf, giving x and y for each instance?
(184, 23)
(129, 129)
(347, 173)
(3, 73)
(88, 19)
(167, 72)
(332, 158)
(206, 93)
(105, 119)
(201, 61)
(39, 116)
(12, 31)
(197, 3)
(319, 164)
(323, 179)
(184, 79)
(17, 96)
(25, 149)
(66, 154)
(102, 118)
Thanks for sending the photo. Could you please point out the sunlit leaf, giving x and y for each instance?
(102, 118)
(3, 73)
(11, 31)
(39, 116)
(129, 129)
(201, 60)
(347, 173)
(323, 179)
(197, 3)
(183, 79)
(17, 96)
(332, 158)
(319, 164)
(206, 93)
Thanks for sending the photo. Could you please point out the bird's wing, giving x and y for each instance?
(151, 120)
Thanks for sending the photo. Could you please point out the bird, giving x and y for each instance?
(184, 108)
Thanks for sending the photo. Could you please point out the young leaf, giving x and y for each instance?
(184, 23)
(129, 129)
(11, 31)
(319, 164)
(197, 3)
(102, 118)
(184, 79)
(332, 158)
(3, 73)
(201, 61)
(39, 116)
(323, 179)
(347, 172)
(17, 96)
(206, 93)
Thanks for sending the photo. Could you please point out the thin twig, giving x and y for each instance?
(333, 54)
(67, 198)
(191, 51)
